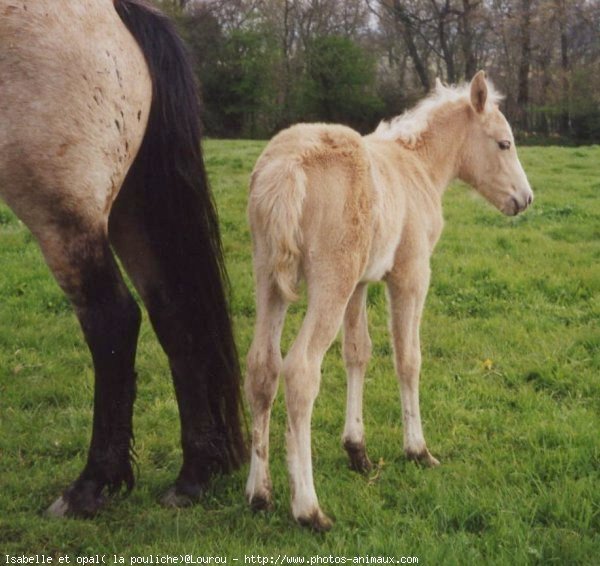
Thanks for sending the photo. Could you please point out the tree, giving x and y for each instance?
(265, 64)
(524, 61)
(340, 83)
(468, 29)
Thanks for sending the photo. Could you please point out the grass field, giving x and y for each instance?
(510, 399)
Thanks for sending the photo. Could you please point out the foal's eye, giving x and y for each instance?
(504, 144)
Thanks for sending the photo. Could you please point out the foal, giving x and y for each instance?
(341, 210)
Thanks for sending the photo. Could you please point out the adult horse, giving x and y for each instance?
(341, 210)
(100, 147)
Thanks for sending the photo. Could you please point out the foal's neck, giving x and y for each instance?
(442, 144)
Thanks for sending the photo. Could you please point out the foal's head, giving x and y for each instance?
(490, 162)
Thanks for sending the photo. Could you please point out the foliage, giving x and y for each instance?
(251, 87)
(240, 94)
(242, 90)
(265, 64)
(510, 399)
(340, 83)
(585, 109)
(237, 73)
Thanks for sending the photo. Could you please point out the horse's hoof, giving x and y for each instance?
(59, 509)
(317, 521)
(357, 454)
(260, 502)
(83, 506)
(424, 458)
(183, 493)
(175, 500)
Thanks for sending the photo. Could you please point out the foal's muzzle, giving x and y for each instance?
(517, 202)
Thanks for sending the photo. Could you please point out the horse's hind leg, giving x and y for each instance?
(357, 351)
(184, 348)
(81, 260)
(264, 366)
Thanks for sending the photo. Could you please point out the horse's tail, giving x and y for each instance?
(277, 193)
(180, 216)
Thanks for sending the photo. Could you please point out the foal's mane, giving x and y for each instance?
(410, 125)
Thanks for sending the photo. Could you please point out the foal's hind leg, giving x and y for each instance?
(82, 262)
(357, 351)
(407, 286)
(264, 366)
(302, 371)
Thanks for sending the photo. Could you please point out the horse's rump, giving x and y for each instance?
(67, 132)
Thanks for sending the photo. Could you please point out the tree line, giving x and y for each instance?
(265, 64)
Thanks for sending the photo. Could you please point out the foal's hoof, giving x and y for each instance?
(317, 521)
(424, 458)
(357, 454)
(260, 502)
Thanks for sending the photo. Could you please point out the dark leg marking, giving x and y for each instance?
(110, 319)
(203, 440)
(261, 502)
(316, 521)
(357, 454)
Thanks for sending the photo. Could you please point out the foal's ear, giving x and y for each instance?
(439, 85)
(479, 91)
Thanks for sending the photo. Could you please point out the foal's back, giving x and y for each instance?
(310, 202)
(325, 197)
(332, 157)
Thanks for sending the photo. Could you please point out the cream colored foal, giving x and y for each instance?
(340, 210)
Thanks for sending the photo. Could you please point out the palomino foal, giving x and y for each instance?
(341, 210)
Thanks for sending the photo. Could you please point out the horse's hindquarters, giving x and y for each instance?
(74, 102)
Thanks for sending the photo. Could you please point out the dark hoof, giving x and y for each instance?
(424, 458)
(357, 454)
(261, 502)
(184, 495)
(317, 521)
(173, 499)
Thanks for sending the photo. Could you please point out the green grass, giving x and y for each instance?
(510, 398)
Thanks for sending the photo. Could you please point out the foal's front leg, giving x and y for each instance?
(407, 285)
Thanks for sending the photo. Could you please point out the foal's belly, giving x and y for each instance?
(381, 258)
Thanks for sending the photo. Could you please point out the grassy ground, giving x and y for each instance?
(510, 399)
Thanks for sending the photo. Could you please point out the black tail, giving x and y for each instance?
(181, 218)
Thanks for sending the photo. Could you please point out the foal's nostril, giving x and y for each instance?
(529, 199)
(516, 207)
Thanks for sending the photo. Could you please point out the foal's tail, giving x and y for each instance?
(277, 192)
(181, 219)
